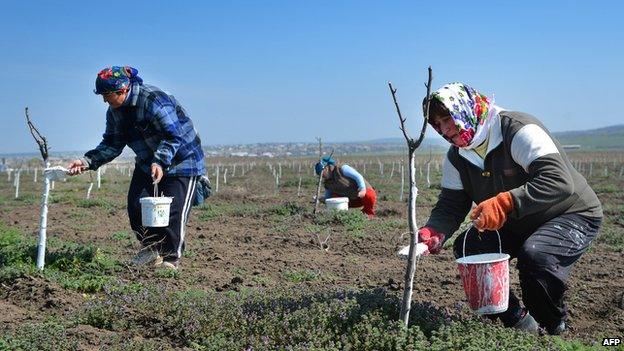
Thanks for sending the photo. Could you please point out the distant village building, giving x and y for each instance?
(571, 147)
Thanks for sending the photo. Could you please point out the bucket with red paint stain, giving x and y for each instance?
(485, 279)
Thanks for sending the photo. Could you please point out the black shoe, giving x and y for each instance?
(528, 324)
(557, 330)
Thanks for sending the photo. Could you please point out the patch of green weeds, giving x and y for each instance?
(27, 199)
(286, 209)
(166, 273)
(107, 205)
(296, 319)
(389, 225)
(209, 211)
(306, 182)
(38, 336)
(607, 188)
(190, 253)
(353, 221)
(611, 234)
(299, 276)
(121, 236)
(74, 266)
(281, 228)
(261, 280)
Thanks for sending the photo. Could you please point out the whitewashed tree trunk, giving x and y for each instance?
(225, 176)
(89, 190)
(217, 178)
(52, 186)
(591, 169)
(428, 181)
(402, 182)
(413, 228)
(299, 187)
(43, 222)
(17, 183)
(99, 178)
(35, 176)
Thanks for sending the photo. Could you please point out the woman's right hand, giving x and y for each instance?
(76, 167)
(432, 238)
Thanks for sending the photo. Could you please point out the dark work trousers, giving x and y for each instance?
(545, 259)
(169, 241)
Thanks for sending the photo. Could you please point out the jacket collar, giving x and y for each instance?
(495, 137)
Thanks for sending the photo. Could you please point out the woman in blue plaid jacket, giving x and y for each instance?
(168, 153)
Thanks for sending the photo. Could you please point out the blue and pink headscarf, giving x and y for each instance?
(116, 78)
(472, 111)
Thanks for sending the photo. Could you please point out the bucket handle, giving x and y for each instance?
(500, 248)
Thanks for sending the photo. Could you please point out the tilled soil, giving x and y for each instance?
(257, 249)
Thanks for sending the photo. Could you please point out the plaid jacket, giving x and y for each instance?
(156, 128)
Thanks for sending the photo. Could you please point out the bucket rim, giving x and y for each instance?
(337, 200)
(156, 200)
(483, 258)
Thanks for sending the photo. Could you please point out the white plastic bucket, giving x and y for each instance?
(337, 203)
(155, 211)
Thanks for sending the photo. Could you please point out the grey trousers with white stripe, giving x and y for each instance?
(169, 241)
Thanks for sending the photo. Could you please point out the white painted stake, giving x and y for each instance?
(99, 178)
(299, 187)
(35, 177)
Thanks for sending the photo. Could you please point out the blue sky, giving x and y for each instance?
(276, 71)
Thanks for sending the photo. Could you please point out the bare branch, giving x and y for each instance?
(426, 116)
(39, 139)
(409, 140)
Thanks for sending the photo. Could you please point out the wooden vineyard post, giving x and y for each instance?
(412, 145)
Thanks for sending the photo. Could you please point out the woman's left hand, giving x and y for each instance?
(491, 214)
(362, 193)
(157, 173)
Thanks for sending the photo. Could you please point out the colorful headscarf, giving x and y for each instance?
(319, 166)
(116, 78)
(472, 111)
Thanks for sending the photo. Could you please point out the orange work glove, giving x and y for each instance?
(431, 238)
(491, 214)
